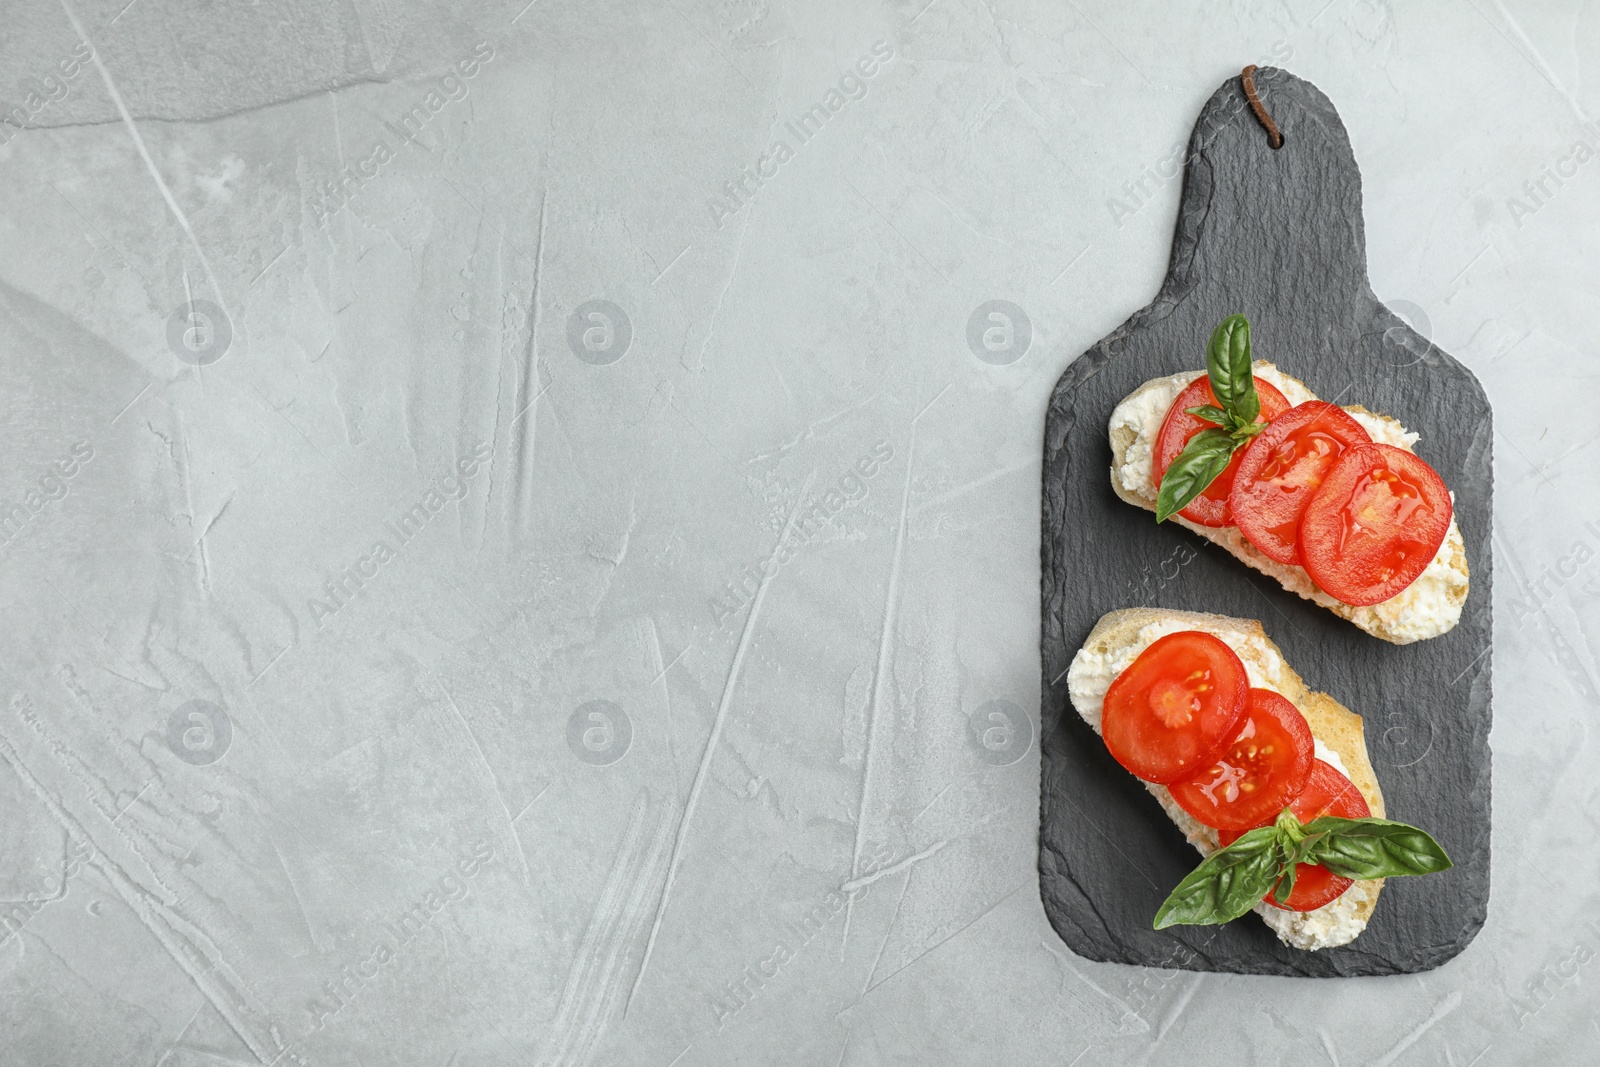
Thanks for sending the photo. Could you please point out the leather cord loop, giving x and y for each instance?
(1274, 135)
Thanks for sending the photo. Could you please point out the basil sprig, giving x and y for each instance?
(1233, 879)
(1236, 412)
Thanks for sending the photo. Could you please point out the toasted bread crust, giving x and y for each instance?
(1373, 620)
(1336, 726)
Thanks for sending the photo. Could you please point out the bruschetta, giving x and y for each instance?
(1230, 741)
(1331, 501)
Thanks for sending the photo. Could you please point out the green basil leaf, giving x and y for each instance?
(1285, 884)
(1197, 466)
(1210, 413)
(1228, 366)
(1249, 403)
(1374, 848)
(1227, 884)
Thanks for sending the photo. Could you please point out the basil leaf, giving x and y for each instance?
(1228, 366)
(1227, 884)
(1285, 884)
(1374, 848)
(1210, 413)
(1197, 466)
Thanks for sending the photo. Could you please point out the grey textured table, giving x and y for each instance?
(521, 523)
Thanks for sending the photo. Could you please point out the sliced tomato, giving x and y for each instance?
(1210, 508)
(1375, 525)
(1173, 708)
(1262, 768)
(1279, 472)
(1327, 792)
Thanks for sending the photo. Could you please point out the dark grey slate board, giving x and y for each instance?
(1278, 237)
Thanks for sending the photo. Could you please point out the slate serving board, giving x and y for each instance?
(1278, 237)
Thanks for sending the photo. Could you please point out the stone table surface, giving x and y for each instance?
(521, 537)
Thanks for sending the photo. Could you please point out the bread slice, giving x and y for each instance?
(1117, 640)
(1426, 608)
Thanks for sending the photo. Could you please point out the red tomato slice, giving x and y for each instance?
(1175, 706)
(1327, 792)
(1261, 769)
(1278, 473)
(1375, 524)
(1210, 508)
